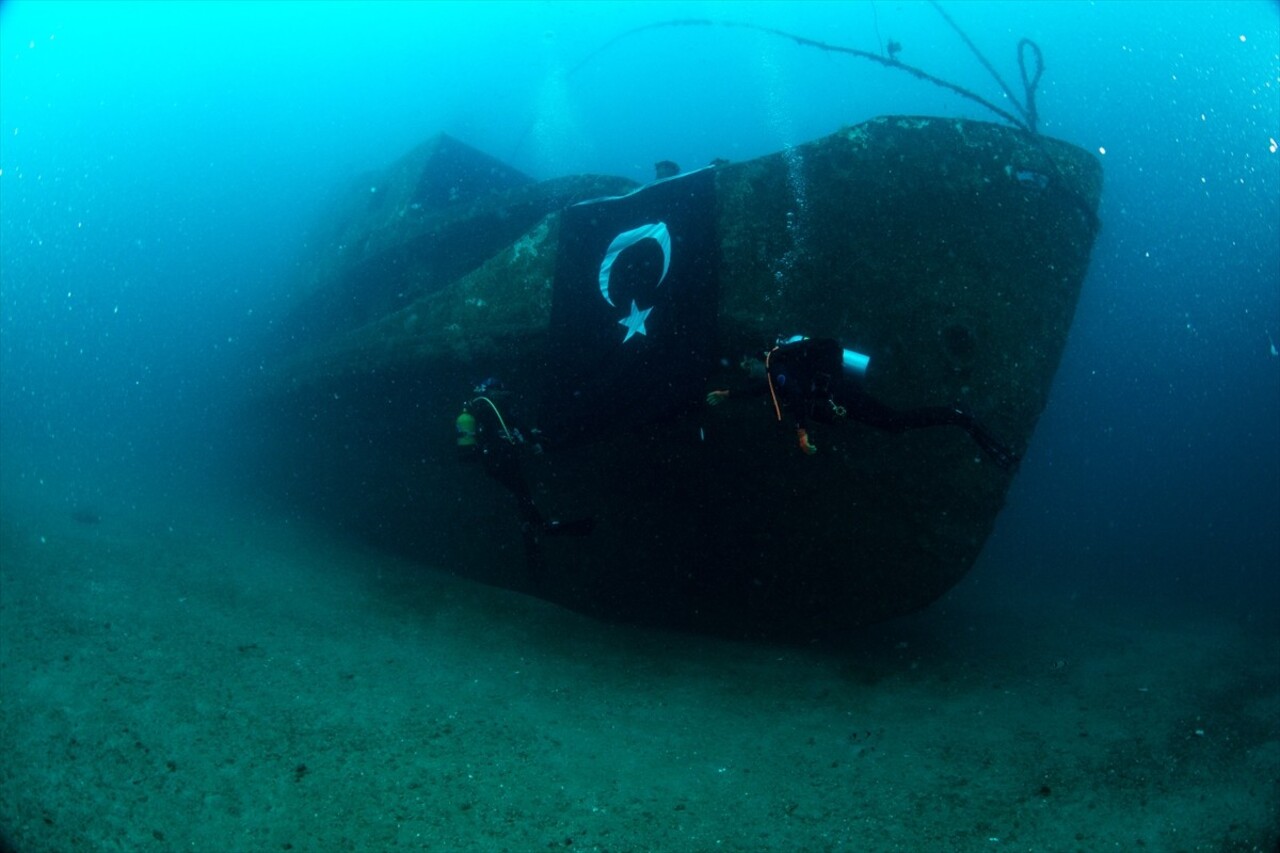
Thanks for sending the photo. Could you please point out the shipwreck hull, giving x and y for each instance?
(952, 252)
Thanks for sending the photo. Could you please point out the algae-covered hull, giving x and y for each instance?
(951, 252)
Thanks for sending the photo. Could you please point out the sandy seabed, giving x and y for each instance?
(232, 681)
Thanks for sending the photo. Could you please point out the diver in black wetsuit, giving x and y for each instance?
(803, 377)
(484, 435)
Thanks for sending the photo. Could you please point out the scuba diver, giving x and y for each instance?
(803, 377)
(484, 435)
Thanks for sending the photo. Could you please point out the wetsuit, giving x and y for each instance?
(805, 378)
(500, 449)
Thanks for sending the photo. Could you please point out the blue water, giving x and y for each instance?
(161, 165)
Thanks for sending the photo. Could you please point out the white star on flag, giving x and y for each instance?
(635, 321)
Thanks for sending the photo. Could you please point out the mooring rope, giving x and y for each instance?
(1027, 120)
(1026, 124)
(875, 20)
(1029, 86)
(803, 41)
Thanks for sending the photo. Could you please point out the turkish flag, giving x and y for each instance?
(633, 309)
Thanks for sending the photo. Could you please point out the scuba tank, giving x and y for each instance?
(465, 424)
(852, 364)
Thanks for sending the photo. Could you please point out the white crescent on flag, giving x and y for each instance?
(652, 231)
